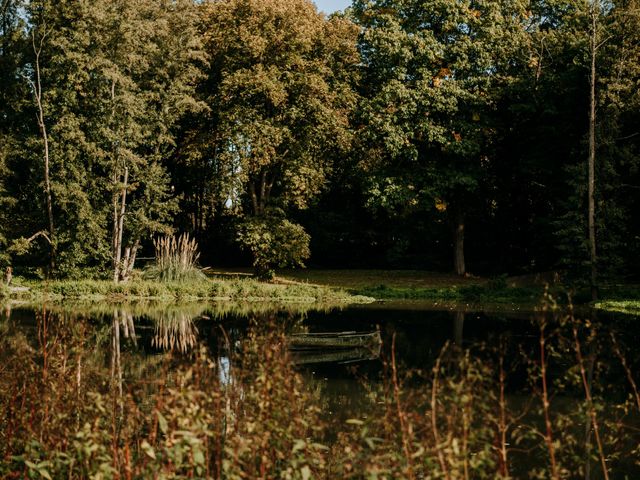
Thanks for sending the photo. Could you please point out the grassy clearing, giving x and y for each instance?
(421, 285)
(242, 289)
(363, 279)
(521, 291)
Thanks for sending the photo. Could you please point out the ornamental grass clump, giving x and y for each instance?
(176, 260)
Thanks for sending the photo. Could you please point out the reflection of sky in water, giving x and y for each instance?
(224, 367)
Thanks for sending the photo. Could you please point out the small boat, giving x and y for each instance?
(341, 355)
(335, 340)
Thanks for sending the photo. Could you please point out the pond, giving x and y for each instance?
(220, 391)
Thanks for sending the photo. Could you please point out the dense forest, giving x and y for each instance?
(482, 136)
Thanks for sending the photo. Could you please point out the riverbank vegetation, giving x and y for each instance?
(238, 408)
(386, 136)
(242, 290)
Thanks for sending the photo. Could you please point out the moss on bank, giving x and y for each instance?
(211, 289)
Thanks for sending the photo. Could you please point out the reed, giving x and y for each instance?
(176, 259)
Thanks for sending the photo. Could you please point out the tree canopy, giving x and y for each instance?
(437, 134)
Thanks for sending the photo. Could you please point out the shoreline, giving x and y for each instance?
(243, 290)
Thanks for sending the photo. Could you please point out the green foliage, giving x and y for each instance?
(194, 425)
(274, 242)
(279, 437)
(392, 122)
(280, 89)
(475, 411)
(434, 74)
(632, 307)
(243, 290)
(116, 77)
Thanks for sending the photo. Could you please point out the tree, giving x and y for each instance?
(143, 75)
(618, 143)
(110, 80)
(11, 49)
(594, 40)
(39, 33)
(280, 94)
(434, 72)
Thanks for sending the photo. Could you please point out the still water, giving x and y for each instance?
(595, 354)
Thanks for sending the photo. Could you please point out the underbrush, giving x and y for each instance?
(241, 410)
(61, 419)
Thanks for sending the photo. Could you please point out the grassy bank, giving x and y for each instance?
(240, 289)
(421, 285)
(333, 286)
(523, 291)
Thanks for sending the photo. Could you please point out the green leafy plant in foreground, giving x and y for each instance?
(66, 413)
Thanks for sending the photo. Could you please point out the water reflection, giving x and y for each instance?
(174, 331)
(56, 365)
(458, 326)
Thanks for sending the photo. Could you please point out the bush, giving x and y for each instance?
(274, 242)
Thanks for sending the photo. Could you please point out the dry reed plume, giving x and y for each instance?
(176, 259)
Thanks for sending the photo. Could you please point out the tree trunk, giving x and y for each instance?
(37, 87)
(254, 198)
(592, 153)
(129, 261)
(118, 226)
(458, 244)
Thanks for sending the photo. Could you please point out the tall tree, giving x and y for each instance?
(280, 93)
(12, 41)
(594, 40)
(39, 32)
(434, 71)
(114, 79)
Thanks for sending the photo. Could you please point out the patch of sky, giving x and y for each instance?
(330, 6)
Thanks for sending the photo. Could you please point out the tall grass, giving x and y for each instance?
(176, 260)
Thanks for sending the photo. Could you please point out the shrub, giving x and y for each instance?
(274, 242)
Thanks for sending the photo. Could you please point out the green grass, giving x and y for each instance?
(362, 279)
(241, 289)
(467, 294)
(328, 286)
(421, 285)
